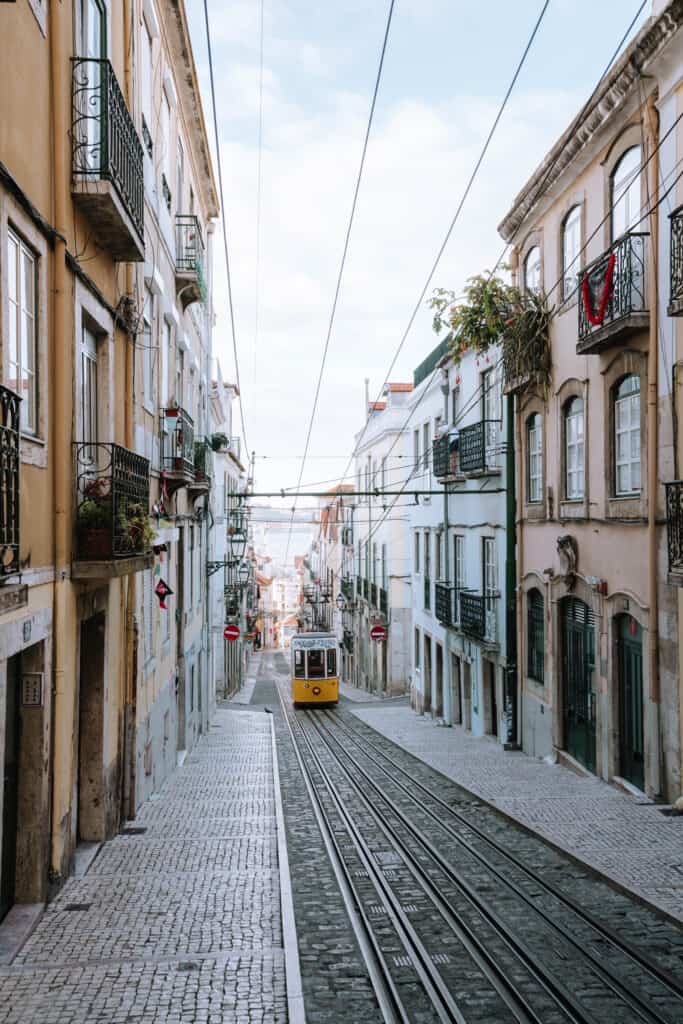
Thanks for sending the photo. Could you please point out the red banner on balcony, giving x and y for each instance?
(596, 319)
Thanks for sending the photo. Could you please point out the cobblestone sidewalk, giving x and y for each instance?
(177, 924)
(632, 843)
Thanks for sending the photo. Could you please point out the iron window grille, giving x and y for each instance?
(106, 146)
(427, 593)
(627, 293)
(9, 482)
(477, 615)
(676, 263)
(112, 498)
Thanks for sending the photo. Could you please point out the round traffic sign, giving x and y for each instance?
(231, 632)
(378, 633)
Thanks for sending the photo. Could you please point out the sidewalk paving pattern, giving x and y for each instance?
(180, 924)
(630, 842)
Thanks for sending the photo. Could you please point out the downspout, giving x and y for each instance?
(60, 429)
(515, 529)
(446, 563)
(511, 621)
(652, 436)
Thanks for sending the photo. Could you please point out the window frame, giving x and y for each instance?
(616, 402)
(534, 453)
(574, 219)
(16, 266)
(579, 445)
(630, 222)
(529, 289)
(535, 660)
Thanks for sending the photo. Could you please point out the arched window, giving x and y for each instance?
(535, 636)
(627, 435)
(532, 270)
(625, 193)
(534, 435)
(574, 449)
(571, 246)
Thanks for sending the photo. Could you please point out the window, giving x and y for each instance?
(571, 246)
(627, 435)
(416, 555)
(574, 449)
(148, 613)
(625, 193)
(535, 458)
(427, 560)
(299, 665)
(147, 87)
(437, 555)
(89, 392)
(490, 569)
(180, 174)
(93, 29)
(179, 375)
(316, 665)
(454, 405)
(331, 662)
(427, 571)
(459, 561)
(426, 445)
(532, 270)
(191, 566)
(535, 636)
(21, 366)
(416, 652)
(148, 340)
(416, 450)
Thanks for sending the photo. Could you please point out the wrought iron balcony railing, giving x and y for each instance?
(112, 502)
(202, 463)
(612, 294)
(346, 587)
(106, 146)
(676, 263)
(373, 595)
(478, 616)
(177, 457)
(445, 603)
(9, 482)
(383, 601)
(189, 259)
(441, 454)
(674, 528)
(479, 444)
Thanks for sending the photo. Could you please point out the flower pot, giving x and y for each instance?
(94, 543)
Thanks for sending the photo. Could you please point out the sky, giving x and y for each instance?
(448, 64)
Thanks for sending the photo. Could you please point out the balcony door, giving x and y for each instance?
(92, 80)
(626, 201)
(490, 578)
(491, 417)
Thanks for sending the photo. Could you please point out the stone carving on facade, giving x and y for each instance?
(568, 551)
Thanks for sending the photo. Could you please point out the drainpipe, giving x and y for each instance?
(652, 436)
(446, 667)
(60, 447)
(511, 673)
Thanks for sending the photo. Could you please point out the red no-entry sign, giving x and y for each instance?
(378, 633)
(231, 632)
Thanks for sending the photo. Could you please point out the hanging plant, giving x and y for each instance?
(496, 313)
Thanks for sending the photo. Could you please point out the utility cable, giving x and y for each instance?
(346, 243)
(258, 203)
(223, 222)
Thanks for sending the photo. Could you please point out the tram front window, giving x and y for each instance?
(316, 664)
(331, 663)
(299, 665)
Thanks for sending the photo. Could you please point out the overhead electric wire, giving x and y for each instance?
(223, 222)
(346, 241)
(258, 201)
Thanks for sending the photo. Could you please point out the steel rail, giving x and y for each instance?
(560, 992)
(505, 988)
(390, 1004)
(661, 975)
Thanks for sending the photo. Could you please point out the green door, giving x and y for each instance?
(630, 666)
(578, 666)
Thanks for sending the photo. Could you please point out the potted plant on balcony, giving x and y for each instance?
(135, 530)
(93, 521)
(219, 441)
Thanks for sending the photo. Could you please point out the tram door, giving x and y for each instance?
(630, 667)
(578, 666)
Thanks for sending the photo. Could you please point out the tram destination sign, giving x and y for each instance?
(378, 633)
(231, 633)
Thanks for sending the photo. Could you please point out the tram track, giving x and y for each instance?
(440, 808)
(407, 882)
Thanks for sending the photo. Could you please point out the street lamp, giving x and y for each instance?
(340, 602)
(243, 574)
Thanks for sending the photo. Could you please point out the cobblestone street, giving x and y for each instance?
(178, 922)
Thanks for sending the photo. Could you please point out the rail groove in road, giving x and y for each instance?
(458, 935)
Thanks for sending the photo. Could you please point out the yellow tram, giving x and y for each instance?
(315, 657)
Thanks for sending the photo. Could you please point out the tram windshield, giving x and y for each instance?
(331, 663)
(316, 664)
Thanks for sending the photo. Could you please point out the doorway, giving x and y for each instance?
(427, 702)
(490, 698)
(630, 668)
(10, 803)
(456, 690)
(578, 666)
(438, 701)
(90, 805)
(467, 695)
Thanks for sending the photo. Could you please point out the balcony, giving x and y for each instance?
(478, 616)
(347, 536)
(107, 160)
(113, 531)
(366, 590)
(9, 483)
(177, 448)
(348, 641)
(384, 602)
(674, 530)
(675, 307)
(616, 295)
(445, 455)
(445, 603)
(346, 587)
(479, 448)
(190, 280)
(201, 484)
